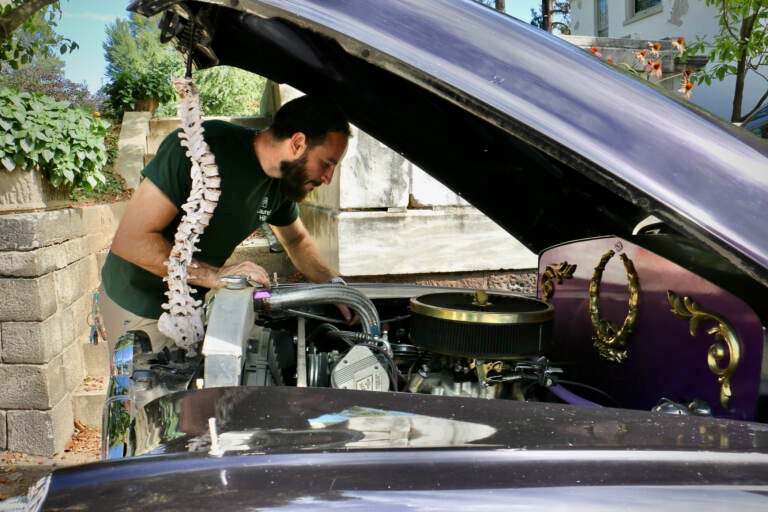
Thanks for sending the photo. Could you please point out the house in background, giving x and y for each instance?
(655, 20)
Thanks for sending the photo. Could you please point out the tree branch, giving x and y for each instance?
(757, 106)
(13, 20)
(726, 24)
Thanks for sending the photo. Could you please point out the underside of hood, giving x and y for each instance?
(540, 136)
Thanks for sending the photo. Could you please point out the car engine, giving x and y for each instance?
(453, 342)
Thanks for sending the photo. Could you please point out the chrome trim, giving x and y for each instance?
(483, 317)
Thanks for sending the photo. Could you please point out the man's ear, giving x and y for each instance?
(298, 144)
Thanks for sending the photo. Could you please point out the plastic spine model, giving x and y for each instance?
(183, 319)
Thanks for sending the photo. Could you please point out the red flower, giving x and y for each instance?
(679, 45)
(654, 66)
(686, 86)
(655, 48)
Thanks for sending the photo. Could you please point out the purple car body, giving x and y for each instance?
(569, 155)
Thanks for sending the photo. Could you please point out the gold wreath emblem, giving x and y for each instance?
(557, 271)
(725, 338)
(610, 342)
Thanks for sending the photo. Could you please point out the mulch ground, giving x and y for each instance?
(18, 471)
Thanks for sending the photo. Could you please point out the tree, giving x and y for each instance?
(545, 17)
(133, 43)
(739, 49)
(499, 5)
(46, 76)
(27, 31)
(138, 64)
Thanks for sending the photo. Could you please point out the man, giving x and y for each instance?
(263, 175)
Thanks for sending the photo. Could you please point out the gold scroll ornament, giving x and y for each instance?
(610, 342)
(724, 334)
(559, 271)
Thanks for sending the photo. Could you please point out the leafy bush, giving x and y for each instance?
(229, 91)
(65, 143)
(125, 89)
(46, 76)
(114, 187)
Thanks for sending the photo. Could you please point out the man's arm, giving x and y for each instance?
(306, 257)
(139, 239)
(303, 251)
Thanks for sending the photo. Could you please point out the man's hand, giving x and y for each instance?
(254, 273)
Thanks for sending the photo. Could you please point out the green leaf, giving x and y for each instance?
(8, 163)
(26, 145)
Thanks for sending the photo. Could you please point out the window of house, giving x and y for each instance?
(601, 8)
(641, 5)
(639, 9)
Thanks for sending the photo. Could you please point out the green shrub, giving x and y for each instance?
(63, 142)
(130, 86)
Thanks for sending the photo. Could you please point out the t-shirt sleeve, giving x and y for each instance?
(285, 214)
(169, 170)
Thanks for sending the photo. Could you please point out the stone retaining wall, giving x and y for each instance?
(49, 270)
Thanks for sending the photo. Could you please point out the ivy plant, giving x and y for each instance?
(63, 142)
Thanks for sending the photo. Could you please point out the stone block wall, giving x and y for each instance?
(49, 270)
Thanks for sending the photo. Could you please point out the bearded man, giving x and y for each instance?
(263, 176)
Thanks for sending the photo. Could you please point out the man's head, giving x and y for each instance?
(317, 132)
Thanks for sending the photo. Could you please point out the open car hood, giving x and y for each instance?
(548, 141)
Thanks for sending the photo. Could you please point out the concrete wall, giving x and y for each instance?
(674, 18)
(383, 215)
(48, 273)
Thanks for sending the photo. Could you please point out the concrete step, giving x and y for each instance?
(88, 400)
(96, 359)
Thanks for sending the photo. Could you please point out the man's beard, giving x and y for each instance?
(293, 183)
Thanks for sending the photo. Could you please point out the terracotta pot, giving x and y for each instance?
(148, 104)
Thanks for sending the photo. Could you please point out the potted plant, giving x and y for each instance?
(141, 90)
(46, 147)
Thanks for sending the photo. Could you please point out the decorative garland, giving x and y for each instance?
(183, 319)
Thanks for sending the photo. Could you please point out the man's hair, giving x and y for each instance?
(312, 115)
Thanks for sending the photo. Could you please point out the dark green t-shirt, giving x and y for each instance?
(248, 198)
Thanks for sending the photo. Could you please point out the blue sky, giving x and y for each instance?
(85, 22)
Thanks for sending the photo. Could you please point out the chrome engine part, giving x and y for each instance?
(360, 369)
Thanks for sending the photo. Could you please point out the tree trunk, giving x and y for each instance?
(747, 25)
(501, 5)
(546, 15)
(17, 16)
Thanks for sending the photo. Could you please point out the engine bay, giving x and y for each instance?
(614, 324)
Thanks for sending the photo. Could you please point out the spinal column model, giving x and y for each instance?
(183, 319)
